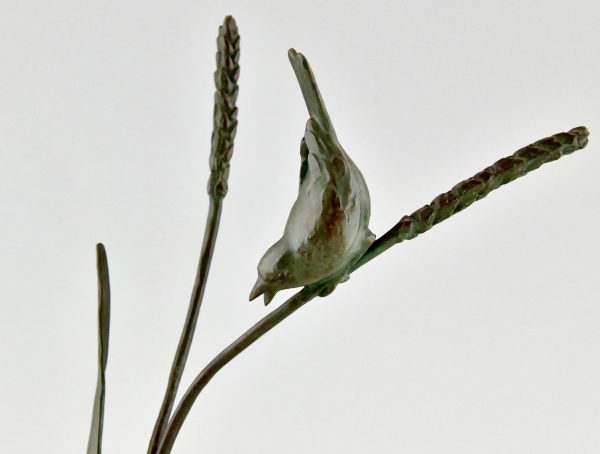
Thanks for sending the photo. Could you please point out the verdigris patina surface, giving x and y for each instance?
(326, 236)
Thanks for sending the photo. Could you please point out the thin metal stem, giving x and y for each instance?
(187, 334)
(244, 341)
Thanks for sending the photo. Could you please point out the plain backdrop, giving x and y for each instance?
(481, 336)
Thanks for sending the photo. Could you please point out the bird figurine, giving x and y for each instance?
(327, 229)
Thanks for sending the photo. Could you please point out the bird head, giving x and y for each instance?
(274, 272)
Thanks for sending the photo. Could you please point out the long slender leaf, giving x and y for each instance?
(95, 440)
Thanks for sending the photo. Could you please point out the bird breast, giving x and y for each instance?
(327, 226)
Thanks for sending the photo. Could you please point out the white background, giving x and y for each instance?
(481, 336)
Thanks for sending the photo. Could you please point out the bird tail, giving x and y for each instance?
(310, 90)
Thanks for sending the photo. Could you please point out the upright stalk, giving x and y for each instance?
(224, 128)
(441, 208)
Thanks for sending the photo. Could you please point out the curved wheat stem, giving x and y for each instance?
(442, 207)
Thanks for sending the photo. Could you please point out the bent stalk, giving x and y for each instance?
(441, 208)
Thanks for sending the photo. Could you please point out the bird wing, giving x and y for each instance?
(303, 161)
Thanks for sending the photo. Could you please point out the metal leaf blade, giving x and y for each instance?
(95, 440)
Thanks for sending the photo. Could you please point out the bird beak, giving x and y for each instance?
(258, 289)
(262, 288)
(268, 297)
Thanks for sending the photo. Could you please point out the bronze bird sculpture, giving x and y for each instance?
(327, 228)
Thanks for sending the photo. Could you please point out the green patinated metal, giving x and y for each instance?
(326, 236)
(478, 186)
(328, 227)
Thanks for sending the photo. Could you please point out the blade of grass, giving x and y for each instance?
(95, 440)
(441, 208)
(224, 128)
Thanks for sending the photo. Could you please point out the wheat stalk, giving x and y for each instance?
(224, 128)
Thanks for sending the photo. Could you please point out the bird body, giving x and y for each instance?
(327, 229)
